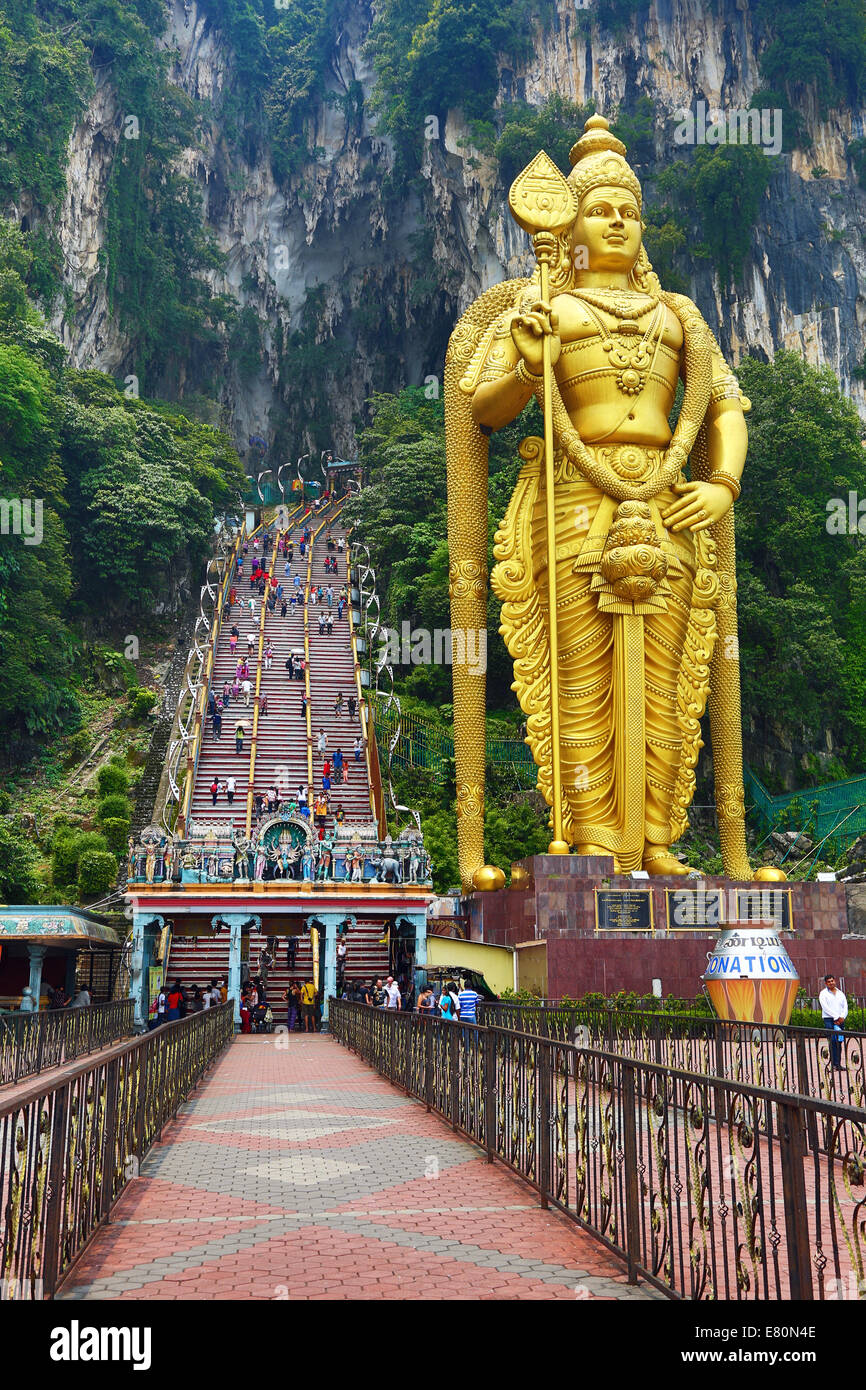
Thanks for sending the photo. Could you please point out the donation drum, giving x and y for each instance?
(750, 978)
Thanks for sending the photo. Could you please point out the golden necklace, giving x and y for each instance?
(632, 361)
(614, 302)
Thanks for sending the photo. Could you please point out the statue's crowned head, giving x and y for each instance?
(607, 230)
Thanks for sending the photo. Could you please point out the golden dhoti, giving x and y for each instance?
(625, 693)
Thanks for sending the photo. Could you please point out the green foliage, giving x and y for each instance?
(720, 191)
(636, 128)
(110, 668)
(155, 247)
(245, 344)
(802, 588)
(35, 579)
(311, 362)
(857, 155)
(553, 127)
(19, 880)
(128, 490)
(281, 53)
(112, 807)
(298, 48)
(617, 14)
(431, 55)
(141, 702)
(44, 79)
(67, 848)
(116, 831)
(97, 872)
(817, 44)
(513, 831)
(112, 779)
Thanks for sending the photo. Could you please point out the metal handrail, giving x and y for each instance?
(70, 1147)
(706, 1186)
(32, 1042)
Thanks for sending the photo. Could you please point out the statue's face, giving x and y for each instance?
(608, 226)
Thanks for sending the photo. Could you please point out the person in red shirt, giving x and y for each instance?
(174, 1001)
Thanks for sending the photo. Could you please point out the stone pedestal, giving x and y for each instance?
(557, 901)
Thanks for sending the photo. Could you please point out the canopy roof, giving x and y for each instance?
(55, 926)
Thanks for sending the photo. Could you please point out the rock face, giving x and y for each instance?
(332, 232)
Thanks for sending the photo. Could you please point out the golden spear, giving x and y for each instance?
(543, 203)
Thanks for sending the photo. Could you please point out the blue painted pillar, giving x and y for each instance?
(145, 929)
(419, 921)
(327, 922)
(37, 956)
(235, 921)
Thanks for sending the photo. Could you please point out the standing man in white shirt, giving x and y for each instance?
(834, 1008)
(392, 992)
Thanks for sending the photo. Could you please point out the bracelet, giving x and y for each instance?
(727, 480)
(524, 375)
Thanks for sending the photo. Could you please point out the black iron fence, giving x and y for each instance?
(31, 1042)
(706, 1186)
(69, 1149)
(800, 1060)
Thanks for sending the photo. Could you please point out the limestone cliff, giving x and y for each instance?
(333, 232)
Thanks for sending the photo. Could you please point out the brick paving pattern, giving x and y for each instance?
(296, 1172)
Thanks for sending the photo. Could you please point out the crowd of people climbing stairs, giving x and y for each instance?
(270, 565)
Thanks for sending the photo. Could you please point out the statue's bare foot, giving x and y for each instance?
(658, 860)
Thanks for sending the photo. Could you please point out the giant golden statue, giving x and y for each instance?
(642, 583)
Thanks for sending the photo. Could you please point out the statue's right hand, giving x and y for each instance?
(528, 331)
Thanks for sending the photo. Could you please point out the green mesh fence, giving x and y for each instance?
(837, 809)
(271, 495)
(422, 745)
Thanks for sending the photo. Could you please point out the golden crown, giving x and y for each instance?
(598, 158)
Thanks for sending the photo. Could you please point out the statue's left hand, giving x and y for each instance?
(698, 506)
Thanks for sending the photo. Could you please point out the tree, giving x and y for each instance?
(802, 594)
(19, 880)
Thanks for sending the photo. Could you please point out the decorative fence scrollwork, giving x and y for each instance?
(68, 1149)
(706, 1186)
(29, 1043)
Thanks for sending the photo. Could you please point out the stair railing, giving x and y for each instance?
(334, 511)
(255, 733)
(377, 811)
(198, 689)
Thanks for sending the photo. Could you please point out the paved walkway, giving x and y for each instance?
(297, 1173)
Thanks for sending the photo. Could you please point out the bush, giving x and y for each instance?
(112, 807)
(97, 871)
(78, 745)
(112, 778)
(112, 671)
(67, 849)
(140, 702)
(19, 882)
(116, 830)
